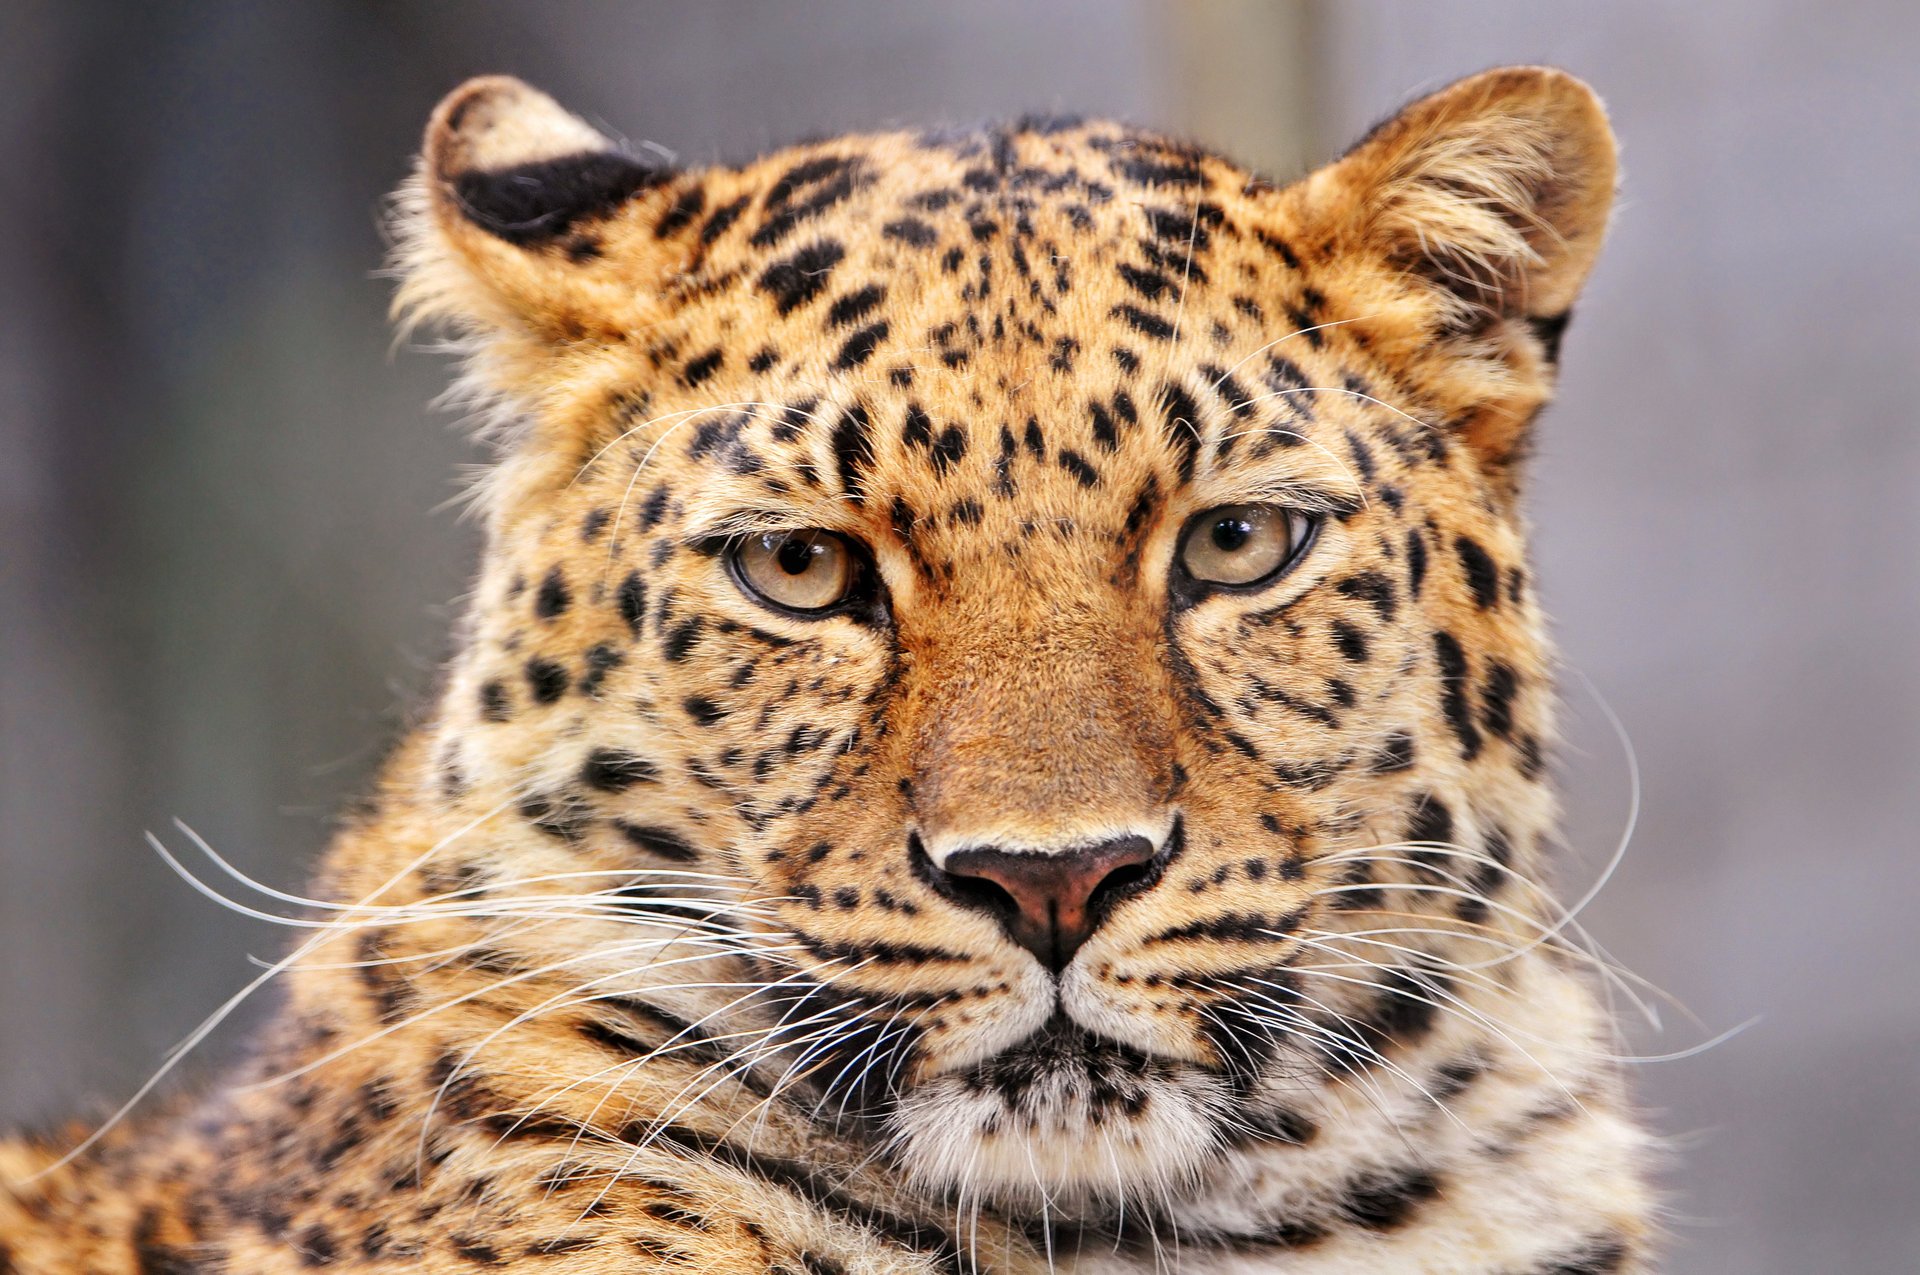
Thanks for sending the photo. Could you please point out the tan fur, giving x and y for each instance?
(646, 954)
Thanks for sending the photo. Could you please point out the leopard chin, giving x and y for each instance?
(1065, 1119)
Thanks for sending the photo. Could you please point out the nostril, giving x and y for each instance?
(1117, 882)
(1049, 902)
(979, 892)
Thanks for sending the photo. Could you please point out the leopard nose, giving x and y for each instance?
(1049, 902)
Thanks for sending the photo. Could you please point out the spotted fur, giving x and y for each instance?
(647, 953)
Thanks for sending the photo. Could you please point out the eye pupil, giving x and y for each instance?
(794, 556)
(1230, 534)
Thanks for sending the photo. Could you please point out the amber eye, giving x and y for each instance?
(1242, 544)
(797, 570)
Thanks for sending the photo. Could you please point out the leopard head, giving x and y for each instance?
(1060, 598)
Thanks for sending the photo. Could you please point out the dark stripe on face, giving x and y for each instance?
(1452, 663)
(925, 1239)
(657, 841)
(853, 449)
(613, 770)
(1142, 322)
(1180, 416)
(1386, 1202)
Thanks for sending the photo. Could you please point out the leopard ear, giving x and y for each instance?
(1471, 220)
(505, 227)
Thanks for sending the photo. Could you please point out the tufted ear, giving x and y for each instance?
(505, 227)
(1474, 216)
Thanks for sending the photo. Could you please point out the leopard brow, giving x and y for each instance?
(1307, 497)
(733, 523)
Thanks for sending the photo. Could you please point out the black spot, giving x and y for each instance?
(532, 204)
(1103, 431)
(316, 1246)
(1035, 442)
(476, 1249)
(917, 429)
(632, 598)
(1184, 230)
(722, 220)
(1352, 643)
(494, 704)
(601, 659)
(700, 369)
(1076, 464)
(1158, 172)
(668, 845)
(1533, 758)
(1452, 662)
(1370, 587)
(548, 680)
(855, 305)
(684, 637)
(1281, 249)
(949, 448)
(1142, 322)
(1396, 753)
(702, 710)
(1548, 329)
(1281, 1124)
(717, 437)
(835, 177)
(593, 524)
(1384, 1202)
(859, 347)
(1452, 1079)
(1148, 283)
(1416, 562)
(689, 205)
(801, 277)
(911, 230)
(1128, 361)
(1482, 576)
(763, 361)
(1430, 820)
(553, 597)
(653, 508)
(613, 770)
(1496, 698)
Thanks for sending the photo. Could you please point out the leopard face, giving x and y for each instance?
(1051, 604)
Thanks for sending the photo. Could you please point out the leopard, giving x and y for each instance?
(1004, 724)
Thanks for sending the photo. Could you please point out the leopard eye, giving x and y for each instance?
(1238, 545)
(797, 570)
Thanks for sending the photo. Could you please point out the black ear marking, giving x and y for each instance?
(532, 204)
(1548, 329)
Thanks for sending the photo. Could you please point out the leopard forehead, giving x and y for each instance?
(1020, 326)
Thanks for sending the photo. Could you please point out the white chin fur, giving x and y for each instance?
(1061, 1139)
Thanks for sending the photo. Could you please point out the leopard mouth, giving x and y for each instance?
(1061, 1050)
(1067, 1115)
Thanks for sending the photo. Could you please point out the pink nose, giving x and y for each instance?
(1049, 903)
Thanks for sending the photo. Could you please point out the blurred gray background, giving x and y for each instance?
(226, 574)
